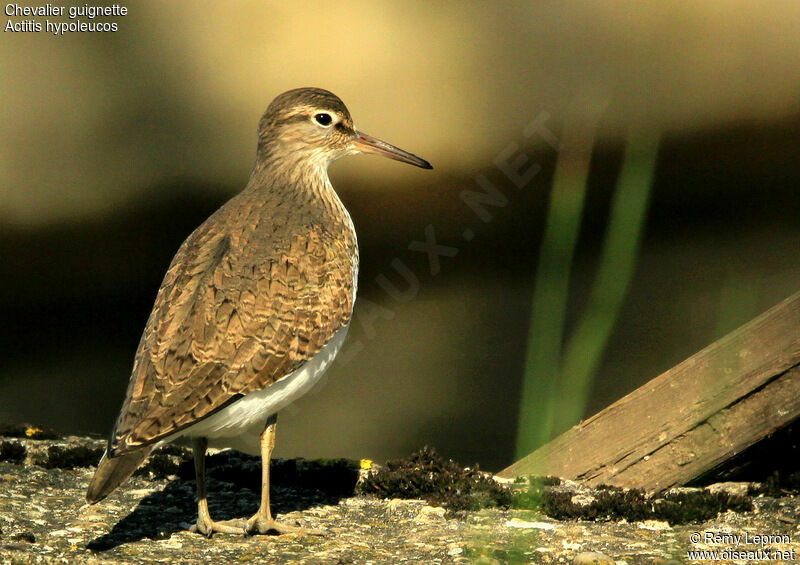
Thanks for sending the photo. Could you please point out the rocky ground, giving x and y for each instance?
(44, 519)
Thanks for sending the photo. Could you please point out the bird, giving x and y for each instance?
(253, 308)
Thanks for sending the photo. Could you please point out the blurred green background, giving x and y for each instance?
(115, 146)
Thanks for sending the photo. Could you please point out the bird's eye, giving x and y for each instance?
(323, 119)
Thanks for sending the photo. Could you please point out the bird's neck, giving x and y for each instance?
(296, 178)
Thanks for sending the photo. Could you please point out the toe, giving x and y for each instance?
(259, 525)
(224, 527)
(235, 526)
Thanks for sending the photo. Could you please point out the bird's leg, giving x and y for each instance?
(262, 522)
(205, 525)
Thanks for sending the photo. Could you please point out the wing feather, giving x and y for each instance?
(239, 308)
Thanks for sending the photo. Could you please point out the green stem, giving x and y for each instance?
(584, 349)
(550, 292)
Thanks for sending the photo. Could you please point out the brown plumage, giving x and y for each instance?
(253, 294)
(244, 303)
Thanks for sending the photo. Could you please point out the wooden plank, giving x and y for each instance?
(691, 418)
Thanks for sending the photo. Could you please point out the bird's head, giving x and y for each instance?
(313, 126)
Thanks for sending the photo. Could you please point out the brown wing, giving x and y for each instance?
(238, 309)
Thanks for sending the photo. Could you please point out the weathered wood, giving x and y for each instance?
(691, 418)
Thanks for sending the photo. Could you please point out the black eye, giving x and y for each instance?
(323, 119)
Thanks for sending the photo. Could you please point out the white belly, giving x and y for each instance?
(239, 424)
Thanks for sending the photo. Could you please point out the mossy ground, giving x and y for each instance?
(70, 457)
(439, 481)
(12, 451)
(609, 503)
(445, 483)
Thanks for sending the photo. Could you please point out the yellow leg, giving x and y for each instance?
(262, 521)
(205, 525)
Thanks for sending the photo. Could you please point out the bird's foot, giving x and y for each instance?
(258, 524)
(209, 527)
(261, 524)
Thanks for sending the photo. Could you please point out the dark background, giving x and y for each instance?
(115, 146)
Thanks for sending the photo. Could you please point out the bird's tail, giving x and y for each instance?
(112, 472)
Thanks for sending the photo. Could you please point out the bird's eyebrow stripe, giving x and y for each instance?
(294, 118)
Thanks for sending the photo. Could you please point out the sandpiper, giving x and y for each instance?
(253, 309)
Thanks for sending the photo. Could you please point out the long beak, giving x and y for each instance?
(367, 144)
